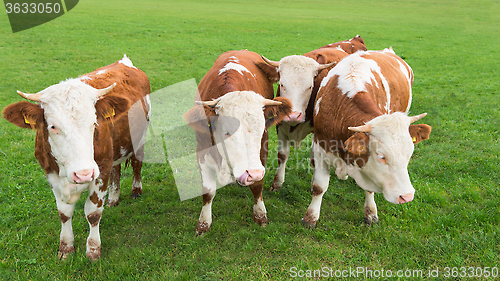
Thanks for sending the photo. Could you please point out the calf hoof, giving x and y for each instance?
(93, 250)
(113, 203)
(261, 220)
(64, 251)
(201, 228)
(371, 220)
(63, 256)
(274, 187)
(135, 195)
(94, 255)
(308, 224)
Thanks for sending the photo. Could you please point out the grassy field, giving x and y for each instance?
(454, 220)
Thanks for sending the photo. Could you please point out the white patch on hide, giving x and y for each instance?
(235, 66)
(127, 62)
(316, 106)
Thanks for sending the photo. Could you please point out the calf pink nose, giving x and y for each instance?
(250, 177)
(405, 198)
(83, 176)
(255, 175)
(295, 117)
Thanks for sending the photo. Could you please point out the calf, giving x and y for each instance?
(82, 136)
(237, 100)
(299, 81)
(362, 129)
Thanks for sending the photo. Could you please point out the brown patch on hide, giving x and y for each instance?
(94, 218)
(63, 217)
(96, 200)
(281, 158)
(316, 190)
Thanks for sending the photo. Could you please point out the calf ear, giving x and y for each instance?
(276, 113)
(24, 114)
(420, 132)
(357, 144)
(270, 71)
(111, 107)
(198, 118)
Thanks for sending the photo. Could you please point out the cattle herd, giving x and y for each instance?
(355, 101)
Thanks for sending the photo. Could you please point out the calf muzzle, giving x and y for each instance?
(83, 176)
(250, 177)
(295, 116)
(405, 198)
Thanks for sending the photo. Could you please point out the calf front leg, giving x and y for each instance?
(320, 181)
(205, 220)
(259, 209)
(283, 154)
(209, 186)
(65, 206)
(370, 208)
(66, 237)
(93, 212)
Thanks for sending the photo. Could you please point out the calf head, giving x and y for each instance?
(69, 112)
(296, 82)
(237, 122)
(388, 141)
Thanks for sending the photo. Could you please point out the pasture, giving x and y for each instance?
(454, 220)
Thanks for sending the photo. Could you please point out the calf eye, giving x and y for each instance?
(381, 157)
(53, 129)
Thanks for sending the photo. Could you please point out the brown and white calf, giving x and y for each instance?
(361, 128)
(82, 136)
(238, 107)
(299, 80)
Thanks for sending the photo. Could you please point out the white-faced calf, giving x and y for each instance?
(237, 106)
(82, 137)
(362, 129)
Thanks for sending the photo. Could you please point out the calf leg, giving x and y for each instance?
(283, 154)
(114, 186)
(209, 186)
(66, 237)
(320, 181)
(137, 181)
(259, 209)
(65, 206)
(205, 220)
(370, 208)
(93, 212)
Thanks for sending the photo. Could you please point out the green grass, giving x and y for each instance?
(454, 220)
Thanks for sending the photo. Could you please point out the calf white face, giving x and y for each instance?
(70, 115)
(237, 121)
(238, 132)
(297, 75)
(390, 147)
